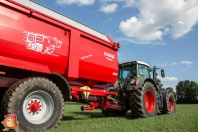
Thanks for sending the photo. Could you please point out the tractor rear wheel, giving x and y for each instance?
(168, 103)
(37, 102)
(142, 101)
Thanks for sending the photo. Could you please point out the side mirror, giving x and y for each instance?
(162, 73)
(149, 69)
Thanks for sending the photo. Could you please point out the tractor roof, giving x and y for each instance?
(135, 62)
(144, 63)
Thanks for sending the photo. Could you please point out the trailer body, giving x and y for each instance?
(37, 44)
(47, 58)
(34, 41)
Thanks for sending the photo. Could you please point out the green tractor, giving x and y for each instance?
(140, 93)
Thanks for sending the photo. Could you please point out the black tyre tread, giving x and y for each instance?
(6, 104)
(166, 95)
(136, 101)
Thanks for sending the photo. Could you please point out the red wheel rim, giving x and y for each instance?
(171, 106)
(149, 101)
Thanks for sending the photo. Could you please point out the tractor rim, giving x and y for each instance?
(38, 107)
(149, 101)
(171, 106)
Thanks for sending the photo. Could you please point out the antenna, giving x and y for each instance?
(149, 60)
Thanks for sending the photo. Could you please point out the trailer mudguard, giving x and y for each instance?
(63, 85)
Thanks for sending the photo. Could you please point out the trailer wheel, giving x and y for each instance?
(37, 102)
(168, 103)
(142, 101)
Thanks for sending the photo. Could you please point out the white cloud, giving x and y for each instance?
(165, 64)
(129, 3)
(173, 63)
(188, 63)
(158, 18)
(108, 8)
(78, 2)
(168, 79)
(104, 1)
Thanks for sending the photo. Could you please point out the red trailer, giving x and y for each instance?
(47, 58)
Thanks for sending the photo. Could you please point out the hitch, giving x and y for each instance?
(86, 108)
(113, 104)
(91, 106)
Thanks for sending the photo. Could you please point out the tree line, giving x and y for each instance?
(185, 91)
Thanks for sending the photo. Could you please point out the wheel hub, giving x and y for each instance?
(34, 106)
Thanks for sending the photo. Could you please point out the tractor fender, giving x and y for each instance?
(139, 82)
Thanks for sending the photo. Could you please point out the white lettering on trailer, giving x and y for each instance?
(109, 57)
(86, 57)
(115, 74)
(41, 43)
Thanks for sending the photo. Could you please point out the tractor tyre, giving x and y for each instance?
(37, 102)
(143, 101)
(2, 93)
(168, 103)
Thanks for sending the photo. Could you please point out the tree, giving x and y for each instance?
(170, 89)
(192, 91)
(187, 91)
(161, 88)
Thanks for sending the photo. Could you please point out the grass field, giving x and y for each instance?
(184, 120)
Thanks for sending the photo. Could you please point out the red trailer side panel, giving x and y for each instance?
(25, 38)
(97, 61)
(30, 35)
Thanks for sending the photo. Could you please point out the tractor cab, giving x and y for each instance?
(137, 69)
(132, 74)
(133, 69)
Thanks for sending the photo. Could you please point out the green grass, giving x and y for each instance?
(184, 120)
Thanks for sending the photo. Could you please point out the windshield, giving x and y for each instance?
(143, 71)
(126, 71)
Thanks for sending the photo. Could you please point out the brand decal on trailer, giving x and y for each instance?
(41, 43)
(115, 74)
(86, 57)
(109, 57)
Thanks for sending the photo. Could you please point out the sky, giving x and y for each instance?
(162, 33)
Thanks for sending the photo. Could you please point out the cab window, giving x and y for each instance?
(126, 71)
(143, 71)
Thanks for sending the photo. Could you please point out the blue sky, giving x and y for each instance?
(166, 31)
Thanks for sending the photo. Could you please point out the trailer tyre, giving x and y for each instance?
(168, 103)
(143, 101)
(37, 102)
